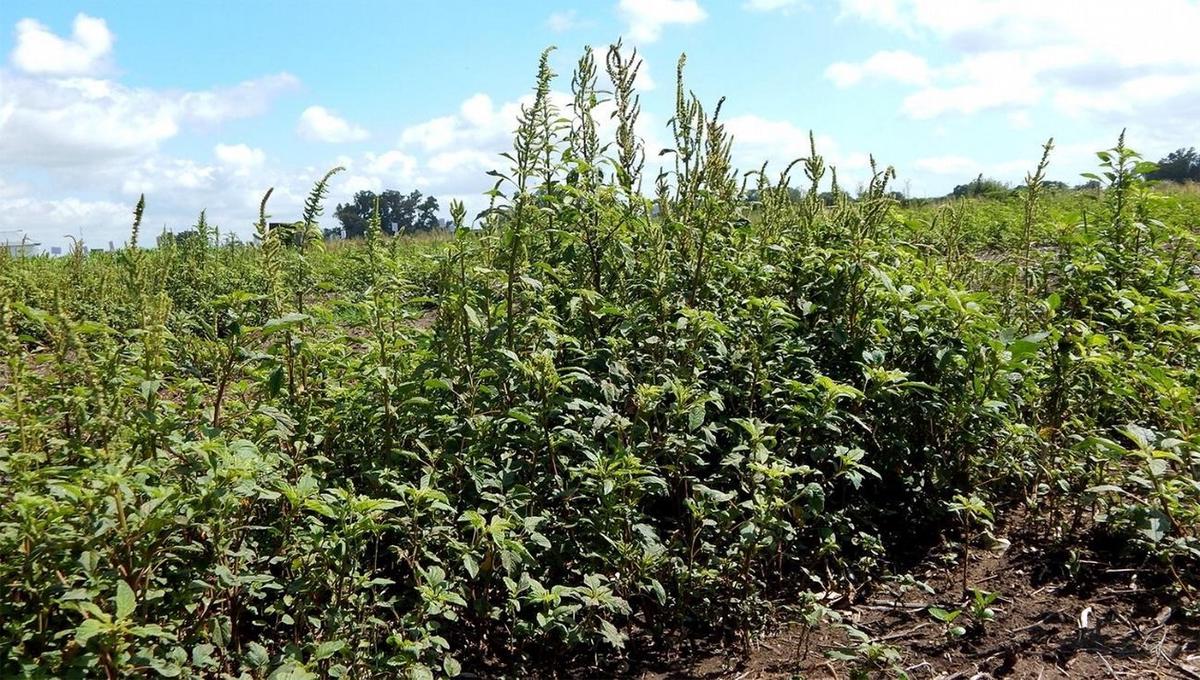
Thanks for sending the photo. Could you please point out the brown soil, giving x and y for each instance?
(1112, 620)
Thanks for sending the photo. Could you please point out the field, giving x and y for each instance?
(701, 424)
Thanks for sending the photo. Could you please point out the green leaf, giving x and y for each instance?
(452, 667)
(285, 322)
(89, 629)
(256, 655)
(202, 655)
(291, 670)
(519, 415)
(166, 669)
(328, 649)
(125, 600)
(943, 615)
(611, 635)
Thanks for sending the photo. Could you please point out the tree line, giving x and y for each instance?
(399, 213)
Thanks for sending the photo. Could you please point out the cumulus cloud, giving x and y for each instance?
(248, 98)
(319, 124)
(779, 142)
(84, 145)
(48, 221)
(240, 157)
(1016, 55)
(39, 51)
(80, 121)
(646, 18)
(896, 66)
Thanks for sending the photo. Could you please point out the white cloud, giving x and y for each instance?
(248, 98)
(773, 5)
(78, 121)
(646, 18)
(561, 22)
(779, 142)
(48, 221)
(393, 163)
(161, 175)
(883, 12)
(943, 171)
(39, 51)
(896, 66)
(1016, 55)
(947, 165)
(84, 145)
(240, 157)
(319, 124)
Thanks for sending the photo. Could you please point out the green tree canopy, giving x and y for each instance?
(980, 186)
(399, 213)
(1181, 165)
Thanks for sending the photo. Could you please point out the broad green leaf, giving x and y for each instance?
(125, 600)
(328, 649)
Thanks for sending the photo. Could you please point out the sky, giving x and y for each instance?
(204, 105)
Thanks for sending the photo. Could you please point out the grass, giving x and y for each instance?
(623, 407)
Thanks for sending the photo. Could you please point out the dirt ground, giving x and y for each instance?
(1110, 619)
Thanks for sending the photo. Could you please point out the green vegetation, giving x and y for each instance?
(399, 213)
(601, 416)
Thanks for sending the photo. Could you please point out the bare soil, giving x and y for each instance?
(1110, 619)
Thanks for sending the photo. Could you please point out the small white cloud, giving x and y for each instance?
(895, 66)
(353, 184)
(432, 134)
(646, 18)
(396, 168)
(477, 110)
(561, 22)
(247, 98)
(322, 125)
(772, 5)
(39, 51)
(883, 12)
(240, 157)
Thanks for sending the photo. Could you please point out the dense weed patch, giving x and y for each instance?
(642, 404)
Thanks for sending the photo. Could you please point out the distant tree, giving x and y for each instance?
(187, 239)
(1181, 165)
(399, 213)
(980, 186)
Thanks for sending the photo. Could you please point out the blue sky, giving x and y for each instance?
(206, 104)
